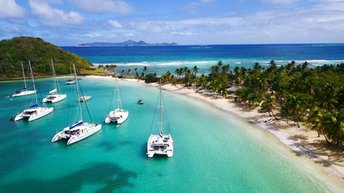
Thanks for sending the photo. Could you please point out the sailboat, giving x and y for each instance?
(80, 129)
(34, 111)
(72, 79)
(161, 144)
(24, 91)
(119, 115)
(55, 94)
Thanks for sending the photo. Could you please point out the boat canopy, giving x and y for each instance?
(75, 124)
(19, 91)
(33, 106)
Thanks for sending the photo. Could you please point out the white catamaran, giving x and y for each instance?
(34, 111)
(161, 144)
(71, 80)
(79, 130)
(55, 94)
(24, 91)
(119, 115)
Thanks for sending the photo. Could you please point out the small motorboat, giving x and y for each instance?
(70, 81)
(85, 98)
(140, 102)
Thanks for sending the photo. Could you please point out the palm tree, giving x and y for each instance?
(238, 75)
(257, 67)
(214, 70)
(195, 70)
(290, 67)
(128, 71)
(202, 81)
(225, 69)
(316, 120)
(329, 96)
(179, 72)
(334, 126)
(268, 105)
(145, 69)
(297, 107)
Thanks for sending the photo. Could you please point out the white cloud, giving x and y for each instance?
(115, 24)
(52, 16)
(183, 33)
(129, 34)
(10, 9)
(322, 21)
(114, 6)
(281, 1)
(187, 26)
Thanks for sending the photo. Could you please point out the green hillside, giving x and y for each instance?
(21, 49)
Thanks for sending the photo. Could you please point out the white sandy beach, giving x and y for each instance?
(300, 140)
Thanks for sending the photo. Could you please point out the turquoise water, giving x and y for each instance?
(159, 59)
(214, 152)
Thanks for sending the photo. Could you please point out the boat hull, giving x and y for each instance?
(84, 98)
(70, 82)
(24, 93)
(54, 98)
(83, 131)
(160, 145)
(34, 113)
(117, 116)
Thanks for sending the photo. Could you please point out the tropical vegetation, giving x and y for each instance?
(296, 93)
(19, 50)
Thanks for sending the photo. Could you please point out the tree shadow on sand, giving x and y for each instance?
(109, 175)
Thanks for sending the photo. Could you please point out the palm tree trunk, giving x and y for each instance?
(273, 114)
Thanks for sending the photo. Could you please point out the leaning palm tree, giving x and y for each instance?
(268, 105)
(315, 118)
(334, 126)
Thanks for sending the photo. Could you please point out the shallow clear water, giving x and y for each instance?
(214, 151)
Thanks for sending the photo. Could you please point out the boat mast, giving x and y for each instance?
(33, 82)
(118, 96)
(23, 75)
(77, 89)
(56, 84)
(160, 112)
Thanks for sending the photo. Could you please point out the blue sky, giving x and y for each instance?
(71, 22)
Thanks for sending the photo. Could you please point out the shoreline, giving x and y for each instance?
(300, 140)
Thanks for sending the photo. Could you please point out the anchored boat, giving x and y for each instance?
(161, 144)
(25, 91)
(34, 111)
(80, 129)
(118, 115)
(55, 94)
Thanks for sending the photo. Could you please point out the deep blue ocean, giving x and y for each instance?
(159, 59)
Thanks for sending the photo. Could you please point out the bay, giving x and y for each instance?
(214, 151)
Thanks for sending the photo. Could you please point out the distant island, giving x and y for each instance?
(125, 43)
(21, 49)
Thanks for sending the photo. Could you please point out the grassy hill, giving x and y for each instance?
(21, 49)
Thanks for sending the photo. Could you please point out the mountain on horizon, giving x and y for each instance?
(125, 43)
